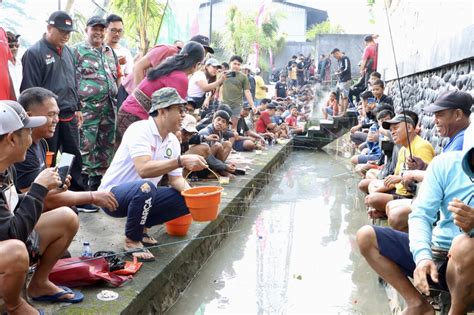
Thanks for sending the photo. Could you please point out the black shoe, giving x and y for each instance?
(88, 208)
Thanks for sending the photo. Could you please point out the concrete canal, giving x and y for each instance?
(294, 251)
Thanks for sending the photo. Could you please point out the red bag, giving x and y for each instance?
(80, 271)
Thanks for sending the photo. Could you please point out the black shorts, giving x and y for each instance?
(395, 246)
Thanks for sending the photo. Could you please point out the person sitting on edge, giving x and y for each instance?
(247, 139)
(221, 147)
(264, 124)
(38, 101)
(451, 117)
(403, 132)
(434, 255)
(331, 107)
(367, 118)
(148, 151)
(377, 89)
(46, 235)
(292, 122)
(263, 105)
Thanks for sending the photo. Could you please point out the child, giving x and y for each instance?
(331, 107)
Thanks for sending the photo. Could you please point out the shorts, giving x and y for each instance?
(236, 111)
(344, 87)
(394, 245)
(364, 158)
(397, 196)
(329, 110)
(239, 145)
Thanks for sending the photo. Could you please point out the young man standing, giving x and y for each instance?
(46, 235)
(281, 87)
(98, 95)
(113, 35)
(369, 58)
(235, 88)
(49, 63)
(148, 151)
(344, 73)
(7, 91)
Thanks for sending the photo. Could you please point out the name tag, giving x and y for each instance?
(11, 197)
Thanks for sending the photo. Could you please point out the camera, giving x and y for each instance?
(230, 74)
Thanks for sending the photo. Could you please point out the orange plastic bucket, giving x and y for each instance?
(49, 158)
(179, 226)
(203, 202)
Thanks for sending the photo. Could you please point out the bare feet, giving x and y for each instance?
(143, 255)
(48, 288)
(23, 308)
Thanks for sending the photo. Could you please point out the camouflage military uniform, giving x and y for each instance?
(97, 71)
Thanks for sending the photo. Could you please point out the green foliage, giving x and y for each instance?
(323, 28)
(142, 19)
(242, 33)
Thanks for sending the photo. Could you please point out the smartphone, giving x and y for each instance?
(230, 74)
(64, 167)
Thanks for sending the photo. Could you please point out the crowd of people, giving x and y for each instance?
(425, 198)
(134, 127)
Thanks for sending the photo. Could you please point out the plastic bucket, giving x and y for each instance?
(179, 226)
(203, 202)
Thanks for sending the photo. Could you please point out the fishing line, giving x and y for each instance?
(398, 79)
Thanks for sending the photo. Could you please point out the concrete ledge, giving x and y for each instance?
(157, 286)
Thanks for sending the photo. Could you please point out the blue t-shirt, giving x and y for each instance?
(455, 143)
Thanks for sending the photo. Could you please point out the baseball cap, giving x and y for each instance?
(451, 100)
(397, 119)
(213, 62)
(272, 105)
(61, 20)
(164, 98)
(222, 114)
(246, 105)
(204, 41)
(13, 117)
(96, 20)
(189, 123)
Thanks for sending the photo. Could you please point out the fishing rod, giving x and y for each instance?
(398, 79)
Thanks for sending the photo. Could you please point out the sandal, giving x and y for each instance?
(56, 298)
(152, 241)
(139, 250)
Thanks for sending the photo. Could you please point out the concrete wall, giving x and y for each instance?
(426, 35)
(293, 22)
(292, 48)
(351, 44)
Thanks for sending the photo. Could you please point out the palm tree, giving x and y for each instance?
(142, 19)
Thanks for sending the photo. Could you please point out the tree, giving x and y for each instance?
(323, 28)
(242, 34)
(142, 19)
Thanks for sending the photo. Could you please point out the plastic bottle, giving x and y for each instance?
(86, 250)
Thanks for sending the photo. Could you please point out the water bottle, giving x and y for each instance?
(86, 250)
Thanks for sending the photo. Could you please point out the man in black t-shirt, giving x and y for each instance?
(247, 139)
(281, 86)
(291, 62)
(344, 73)
(300, 68)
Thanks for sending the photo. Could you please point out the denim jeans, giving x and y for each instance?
(146, 205)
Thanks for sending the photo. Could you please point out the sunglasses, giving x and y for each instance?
(12, 45)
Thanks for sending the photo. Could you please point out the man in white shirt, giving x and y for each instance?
(148, 151)
(113, 34)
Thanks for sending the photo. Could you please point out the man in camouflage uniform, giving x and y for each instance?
(97, 74)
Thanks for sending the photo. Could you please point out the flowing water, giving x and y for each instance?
(295, 251)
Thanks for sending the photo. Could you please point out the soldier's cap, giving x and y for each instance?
(61, 20)
(13, 117)
(451, 100)
(96, 20)
(164, 98)
(204, 41)
(396, 120)
(189, 124)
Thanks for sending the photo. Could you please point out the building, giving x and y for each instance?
(297, 18)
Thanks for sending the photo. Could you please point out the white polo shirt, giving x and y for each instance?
(140, 139)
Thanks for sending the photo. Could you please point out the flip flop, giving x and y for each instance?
(56, 298)
(148, 244)
(139, 250)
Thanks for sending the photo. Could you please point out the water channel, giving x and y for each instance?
(295, 251)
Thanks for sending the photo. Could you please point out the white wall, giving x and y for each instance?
(426, 34)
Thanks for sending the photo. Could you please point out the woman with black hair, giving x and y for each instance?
(172, 72)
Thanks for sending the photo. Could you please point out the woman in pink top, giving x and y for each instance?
(173, 72)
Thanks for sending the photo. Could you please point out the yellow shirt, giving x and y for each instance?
(419, 148)
(293, 73)
(260, 88)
